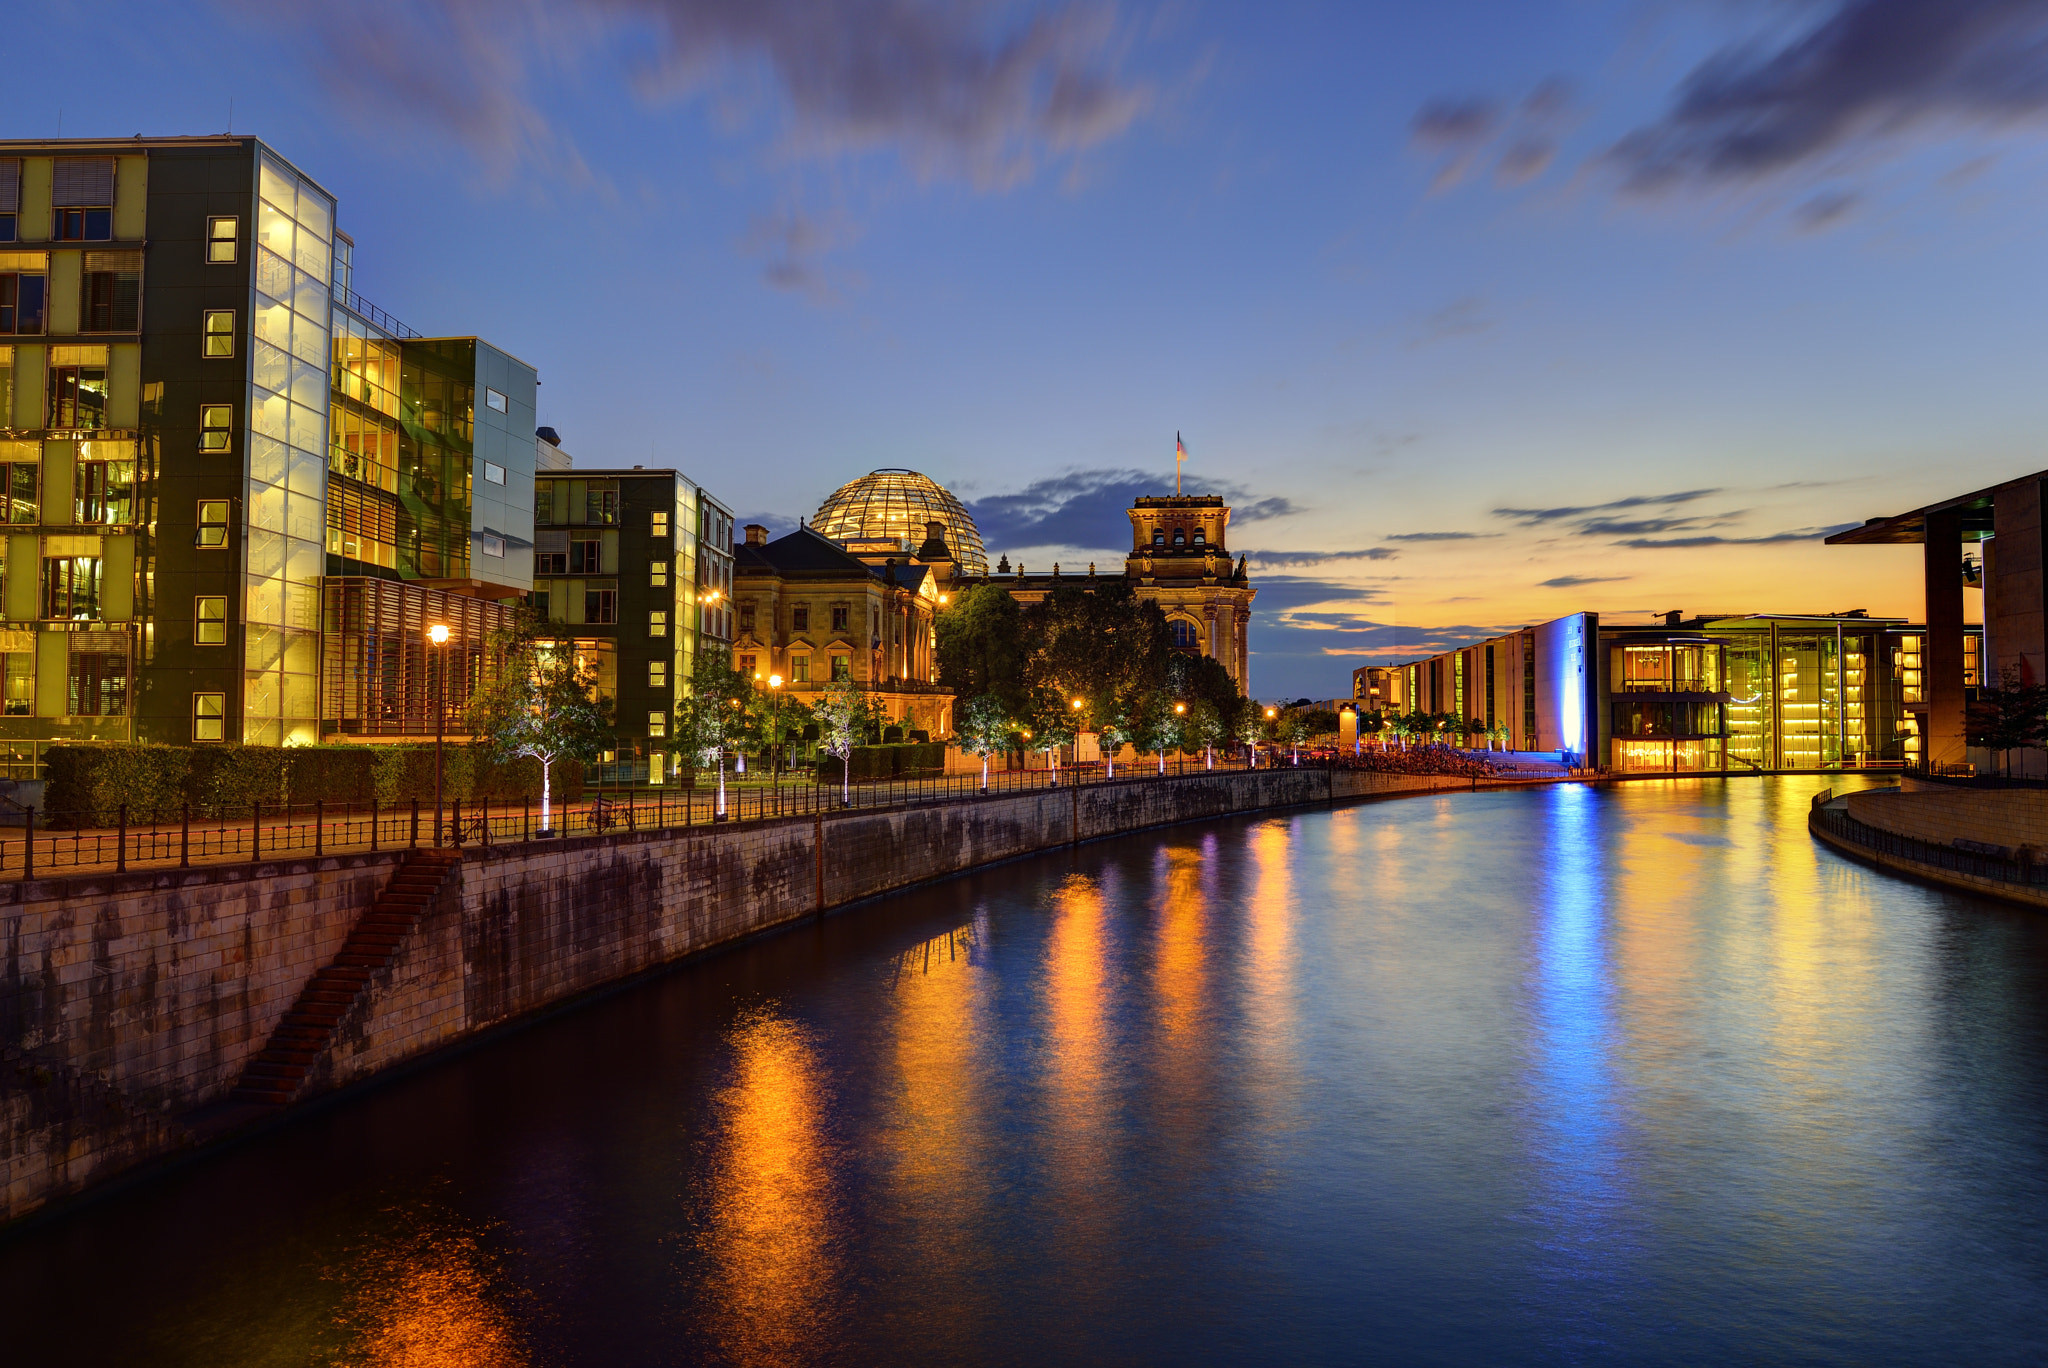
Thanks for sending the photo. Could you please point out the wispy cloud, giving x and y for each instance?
(1298, 558)
(1803, 534)
(1574, 581)
(1863, 80)
(1085, 508)
(1531, 517)
(1439, 536)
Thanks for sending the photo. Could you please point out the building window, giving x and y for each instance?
(213, 524)
(747, 617)
(85, 223)
(10, 196)
(657, 574)
(20, 695)
(222, 235)
(660, 524)
(209, 716)
(99, 684)
(842, 669)
(210, 622)
(585, 558)
(657, 623)
(800, 619)
(82, 197)
(102, 491)
(216, 423)
(24, 285)
(1199, 538)
(496, 403)
(78, 393)
(602, 507)
(18, 485)
(600, 605)
(1180, 538)
(493, 473)
(110, 292)
(544, 501)
(71, 588)
(494, 546)
(800, 669)
(657, 674)
(1158, 537)
(220, 333)
(1185, 634)
(551, 563)
(541, 608)
(839, 620)
(657, 724)
(749, 665)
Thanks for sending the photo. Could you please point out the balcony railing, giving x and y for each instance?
(355, 303)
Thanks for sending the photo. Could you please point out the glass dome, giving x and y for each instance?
(895, 505)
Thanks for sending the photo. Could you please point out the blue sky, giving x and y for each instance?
(1488, 311)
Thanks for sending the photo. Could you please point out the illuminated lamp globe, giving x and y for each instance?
(894, 505)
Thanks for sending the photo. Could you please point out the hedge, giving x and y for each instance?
(87, 784)
(912, 760)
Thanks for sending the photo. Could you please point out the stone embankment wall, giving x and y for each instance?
(130, 1003)
(2005, 817)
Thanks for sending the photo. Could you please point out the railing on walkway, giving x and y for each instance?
(1984, 862)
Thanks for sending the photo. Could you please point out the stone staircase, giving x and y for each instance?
(275, 1076)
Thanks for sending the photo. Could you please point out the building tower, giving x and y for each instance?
(1180, 560)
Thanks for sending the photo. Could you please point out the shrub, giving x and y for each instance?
(88, 784)
(871, 764)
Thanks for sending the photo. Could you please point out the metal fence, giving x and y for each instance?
(2012, 868)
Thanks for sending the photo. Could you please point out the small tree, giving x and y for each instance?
(1202, 725)
(715, 713)
(2009, 717)
(845, 716)
(542, 704)
(1053, 723)
(984, 730)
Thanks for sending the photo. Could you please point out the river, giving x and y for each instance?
(1626, 1074)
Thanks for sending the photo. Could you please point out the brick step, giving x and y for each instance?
(267, 1096)
(303, 1059)
(321, 1018)
(361, 961)
(283, 1073)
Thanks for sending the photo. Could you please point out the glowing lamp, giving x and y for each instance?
(438, 634)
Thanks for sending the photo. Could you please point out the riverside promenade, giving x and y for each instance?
(1988, 841)
(149, 1011)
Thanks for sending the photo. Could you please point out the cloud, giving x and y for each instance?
(1460, 318)
(948, 86)
(792, 242)
(1439, 536)
(1825, 210)
(1641, 527)
(1803, 534)
(1085, 508)
(1530, 517)
(1288, 593)
(1449, 123)
(1458, 129)
(1869, 75)
(1525, 160)
(1293, 558)
(1574, 581)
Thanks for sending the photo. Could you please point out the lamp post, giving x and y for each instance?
(1180, 765)
(1271, 713)
(775, 738)
(438, 634)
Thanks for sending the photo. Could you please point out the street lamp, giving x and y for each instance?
(1180, 766)
(438, 634)
(775, 742)
(1272, 713)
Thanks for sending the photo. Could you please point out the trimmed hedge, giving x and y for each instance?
(87, 784)
(910, 760)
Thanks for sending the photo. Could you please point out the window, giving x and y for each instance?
(1199, 537)
(102, 491)
(220, 333)
(600, 605)
(110, 292)
(99, 684)
(660, 526)
(657, 623)
(85, 224)
(585, 558)
(18, 486)
(657, 574)
(800, 619)
(216, 422)
(800, 669)
(1158, 537)
(1180, 538)
(213, 524)
(209, 716)
(71, 588)
(657, 724)
(657, 674)
(602, 506)
(747, 618)
(210, 622)
(544, 501)
(551, 563)
(749, 664)
(20, 695)
(222, 236)
(495, 402)
(493, 473)
(82, 197)
(78, 387)
(1185, 634)
(10, 196)
(842, 669)
(839, 620)
(541, 606)
(494, 546)
(24, 286)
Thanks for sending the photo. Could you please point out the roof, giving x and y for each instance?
(1910, 529)
(809, 553)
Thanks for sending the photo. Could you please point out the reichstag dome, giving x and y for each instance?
(895, 505)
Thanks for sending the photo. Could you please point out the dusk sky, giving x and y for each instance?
(1480, 313)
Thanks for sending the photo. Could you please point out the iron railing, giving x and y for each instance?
(2013, 867)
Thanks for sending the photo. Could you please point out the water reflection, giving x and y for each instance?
(427, 1294)
(770, 1231)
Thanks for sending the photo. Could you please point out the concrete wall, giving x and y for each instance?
(2007, 817)
(129, 1004)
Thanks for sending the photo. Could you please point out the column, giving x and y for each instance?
(1942, 652)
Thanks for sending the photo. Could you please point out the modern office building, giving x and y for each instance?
(1705, 694)
(237, 493)
(635, 565)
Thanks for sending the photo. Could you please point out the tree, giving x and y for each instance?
(775, 717)
(542, 704)
(2010, 717)
(714, 716)
(1202, 725)
(985, 729)
(1051, 722)
(984, 646)
(845, 716)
